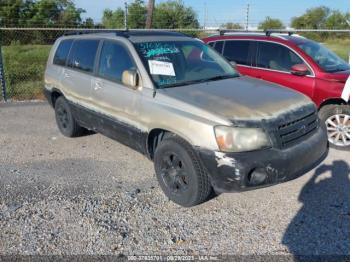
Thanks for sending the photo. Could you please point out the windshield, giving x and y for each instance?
(178, 63)
(324, 57)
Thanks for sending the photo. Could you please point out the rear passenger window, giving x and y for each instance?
(82, 55)
(238, 51)
(218, 46)
(211, 44)
(276, 57)
(114, 60)
(62, 52)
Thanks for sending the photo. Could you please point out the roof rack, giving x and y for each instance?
(126, 33)
(96, 31)
(273, 31)
(224, 31)
(268, 32)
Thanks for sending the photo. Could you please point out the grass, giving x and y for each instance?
(25, 67)
(340, 46)
(24, 70)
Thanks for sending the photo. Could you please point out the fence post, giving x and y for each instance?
(2, 76)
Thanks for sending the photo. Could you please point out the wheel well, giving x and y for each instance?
(54, 96)
(153, 140)
(333, 101)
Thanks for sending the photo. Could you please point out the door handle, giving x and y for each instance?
(98, 86)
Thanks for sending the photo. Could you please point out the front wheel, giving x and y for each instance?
(337, 120)
(180, 172)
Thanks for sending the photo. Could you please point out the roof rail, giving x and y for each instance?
(278, 31)
(224, 31)
(97, 31)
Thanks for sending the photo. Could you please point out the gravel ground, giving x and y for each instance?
(92, 195)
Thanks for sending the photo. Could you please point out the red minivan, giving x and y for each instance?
(298, 63)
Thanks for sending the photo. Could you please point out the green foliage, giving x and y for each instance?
(24, 70)
(232, 26)
(137, 12)
(342, 48)
(314, 18)
(113, 19)
(40, 13)
(171, 15)
(174, 14)
(271, 23)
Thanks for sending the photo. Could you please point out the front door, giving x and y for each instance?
(117, 103)
(274, 62)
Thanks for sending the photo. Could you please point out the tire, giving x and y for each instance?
(337, 120)
(180, 172)
(65, 120)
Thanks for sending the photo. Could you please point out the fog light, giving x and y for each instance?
(257, 177)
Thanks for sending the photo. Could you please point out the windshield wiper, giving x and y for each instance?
(215, 78)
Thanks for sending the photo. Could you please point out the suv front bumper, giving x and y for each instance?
(231, 172)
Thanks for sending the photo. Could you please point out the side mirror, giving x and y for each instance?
(233, 64)
(130, 78)
(299, 70)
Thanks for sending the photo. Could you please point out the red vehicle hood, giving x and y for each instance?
(341, 76)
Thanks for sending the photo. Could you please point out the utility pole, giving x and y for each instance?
(150, 9)
(126, 16)
(247, 22)
(205, 15)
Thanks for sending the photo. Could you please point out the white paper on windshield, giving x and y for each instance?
(161, 68)
(346, 91)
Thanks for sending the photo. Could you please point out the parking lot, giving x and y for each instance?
(92, 195)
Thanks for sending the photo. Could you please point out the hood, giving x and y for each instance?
(341, 76)
(240, 98)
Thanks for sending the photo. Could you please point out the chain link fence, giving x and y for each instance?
(24, 53)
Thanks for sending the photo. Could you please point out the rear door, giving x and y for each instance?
(77, 76)
(241, 52)
(273, 62)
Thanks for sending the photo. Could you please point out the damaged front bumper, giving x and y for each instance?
(231, 172)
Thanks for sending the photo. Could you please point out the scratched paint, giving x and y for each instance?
(223, 160)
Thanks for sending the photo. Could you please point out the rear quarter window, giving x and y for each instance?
(237, 51)
(83, 54)
(218, 46)
(62, 52)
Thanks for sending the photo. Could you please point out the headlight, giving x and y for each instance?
(236, 139)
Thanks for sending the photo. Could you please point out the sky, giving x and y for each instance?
(221, 11)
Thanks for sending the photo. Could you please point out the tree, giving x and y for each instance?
(40, 13)
(271, 23)
(137, 14)
(174, 15)
(336, 20)
(314, 18)
(88, 23)
(113, 19)
(232, 26)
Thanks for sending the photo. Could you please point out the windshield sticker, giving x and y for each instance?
(161, 68)
(346, 91)
(168, 81)
(155, 49)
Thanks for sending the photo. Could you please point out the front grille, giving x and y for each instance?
(292, 132)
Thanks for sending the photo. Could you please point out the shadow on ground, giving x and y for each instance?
(322, 225)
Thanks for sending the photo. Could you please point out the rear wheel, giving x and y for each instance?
(180, 172)
(337, 120)
(65, 120)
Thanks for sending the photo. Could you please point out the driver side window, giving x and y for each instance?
(114, 60)
(276, 57)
